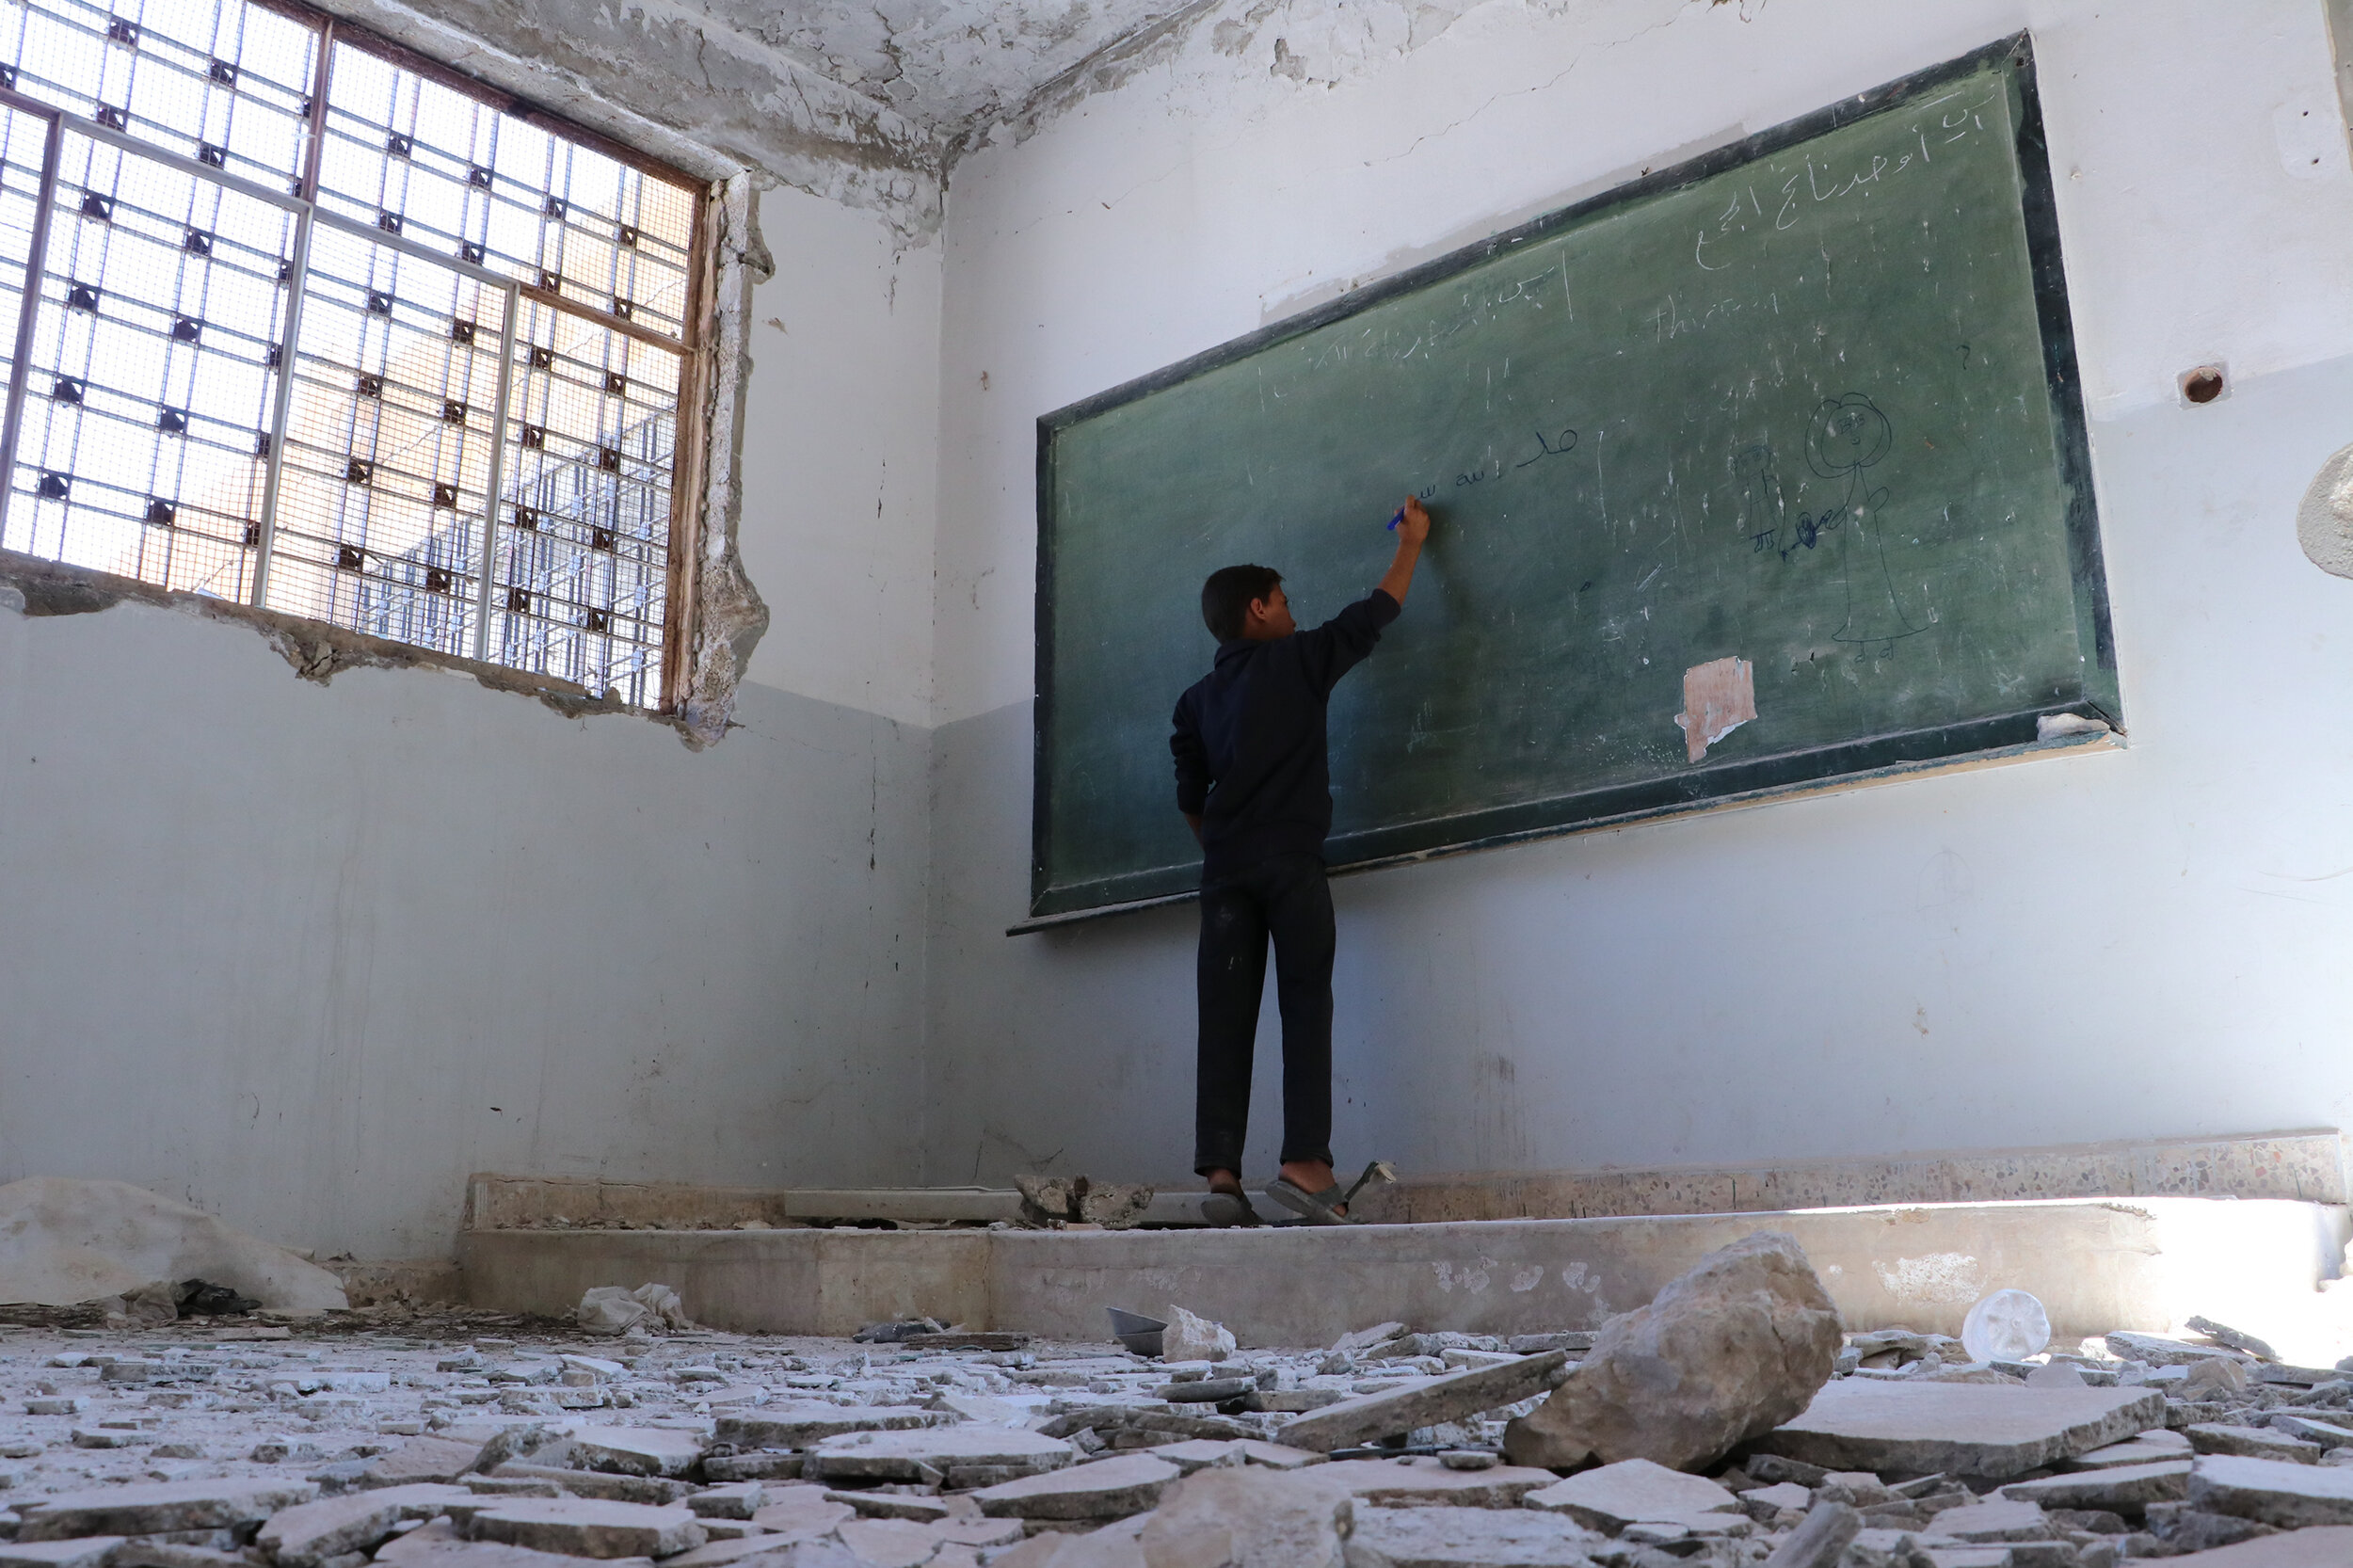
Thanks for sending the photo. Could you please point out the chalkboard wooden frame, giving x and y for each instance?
(1969, 744)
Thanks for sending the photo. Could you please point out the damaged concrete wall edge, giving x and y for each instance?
(730, 617)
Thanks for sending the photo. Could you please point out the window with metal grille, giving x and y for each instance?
(291, 318)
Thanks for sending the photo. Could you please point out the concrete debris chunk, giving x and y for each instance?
(2272, 1492)
(1723, 1355)
(88, 1551)
(636, 1450)
(2155, 1349)
(2231, 1338)
(2326, 1548)
(1427, 1404)
(733, 1500)
(158, 1509)
(1819, 1540)
(1959, 1428)
(931, 1454)
(1360, 1341)
(610, 1309)
(438, 1545)
(2326, 1434)
(1190, 1337)
(2148, 1447)
(2001, 1519)
(805, 1425)
(306, 1534)
(888, 1542)
(1106, 1489)
(420, 1459)
(1468, 1538)
(1427, 1482)
(2126, 1490)
(588, 1527)
(2214, 1437)
(1246, 1518)
(64, 1241)
(650, 1490)
(1630, 1492)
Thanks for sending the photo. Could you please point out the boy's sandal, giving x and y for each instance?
(1226, 1209)
(1317, 1208)
(1324, 1208)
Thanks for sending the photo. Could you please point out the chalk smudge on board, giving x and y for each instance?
(1718, 699)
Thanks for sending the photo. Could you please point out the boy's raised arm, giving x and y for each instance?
(1411, 531)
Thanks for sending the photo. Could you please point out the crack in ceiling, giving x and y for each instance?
(947, 66)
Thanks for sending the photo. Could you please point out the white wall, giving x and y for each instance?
(2136, 945)
(306, 956)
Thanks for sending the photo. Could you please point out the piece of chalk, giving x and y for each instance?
(1395, 521)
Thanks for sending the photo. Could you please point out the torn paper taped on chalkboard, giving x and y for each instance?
(1718, 699)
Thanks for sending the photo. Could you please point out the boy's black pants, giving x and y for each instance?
(1283, 898)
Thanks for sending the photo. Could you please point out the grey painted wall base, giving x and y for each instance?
(2097, 1266)
(2301, 1166)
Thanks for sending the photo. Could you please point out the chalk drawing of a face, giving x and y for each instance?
(1847, 434)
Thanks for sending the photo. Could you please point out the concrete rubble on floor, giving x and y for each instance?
(458, 1439)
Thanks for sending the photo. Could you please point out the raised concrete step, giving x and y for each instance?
(2098, 1265)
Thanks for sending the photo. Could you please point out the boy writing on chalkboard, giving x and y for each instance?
(1254, 780)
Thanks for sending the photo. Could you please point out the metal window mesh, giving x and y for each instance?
(150, 399)
(222, 81)
(388, 445)
(21, 137)
(148, 383)
(466, 179)
(584, 547)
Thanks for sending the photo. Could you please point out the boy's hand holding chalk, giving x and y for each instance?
(1412, 526)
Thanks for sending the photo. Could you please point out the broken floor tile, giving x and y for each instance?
(2209, 1437)
(588, 1527)
(160, 1507)
(1629, 1492)
(2127, 1489)
(2330, 1547)
(801, 1425)
(437, 1545)
(1425, 1482)
(1999, 1519)
(2272, 1492)
(1468, 1538)
(930, 1454)
(1106, 1489)
(636, 1450)
(306, 1534)
(88, 1551)
(1426, 1403)
(1820, 1539)
(1959, 1428)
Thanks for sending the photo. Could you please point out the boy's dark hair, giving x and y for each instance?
(1225, 597)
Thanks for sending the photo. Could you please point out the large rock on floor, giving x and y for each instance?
(1959, 1429)
(1230, 1518)
(1723, 1355)
(64, 1241)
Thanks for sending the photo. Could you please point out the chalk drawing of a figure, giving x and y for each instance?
(1846, 437)
(1761, 511)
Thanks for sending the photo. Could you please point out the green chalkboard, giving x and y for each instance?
(1808, 404)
